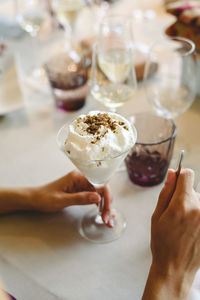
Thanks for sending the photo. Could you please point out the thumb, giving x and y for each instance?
(81, 198)
(165, 194)
(184, 186)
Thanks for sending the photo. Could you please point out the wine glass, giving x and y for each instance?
(98, 172)
(172, 89)
(31, 15)
(99, 9)
(113, 79)
(67, 12)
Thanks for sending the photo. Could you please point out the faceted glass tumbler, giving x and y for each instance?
(148, 161)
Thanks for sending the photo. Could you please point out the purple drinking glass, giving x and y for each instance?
(148, 161)
(68, 80)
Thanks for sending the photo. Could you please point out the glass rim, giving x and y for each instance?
(176, 38)
(94, 160)
(171, 137)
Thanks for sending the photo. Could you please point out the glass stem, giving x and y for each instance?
(98, 218)
(101, 205)
(68, 38)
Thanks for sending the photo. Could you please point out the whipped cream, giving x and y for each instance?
(98, 136)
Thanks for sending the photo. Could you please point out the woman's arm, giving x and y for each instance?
(16, 199)
(175, 239)
(161, 286)
(72, 189)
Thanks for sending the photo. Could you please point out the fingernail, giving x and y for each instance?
(106, 219)
(111, 222)
(94, 198)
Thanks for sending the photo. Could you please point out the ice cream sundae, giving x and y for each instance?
(97, 143)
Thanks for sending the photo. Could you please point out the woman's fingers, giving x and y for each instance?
(184, 186)
(81, 198)
(107, 216)
(73, 182)
(165, 194)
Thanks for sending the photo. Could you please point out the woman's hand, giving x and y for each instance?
(175, 239)
(72, 189)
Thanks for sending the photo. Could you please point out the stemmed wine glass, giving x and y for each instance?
(113, 78)
(99, 9)
(98, 172)
(66, 12)
(172, 89)
(31, 15)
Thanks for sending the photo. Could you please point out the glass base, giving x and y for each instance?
(93, 229)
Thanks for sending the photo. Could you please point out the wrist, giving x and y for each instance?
(28, 196)
(17, 199)
(169, 282)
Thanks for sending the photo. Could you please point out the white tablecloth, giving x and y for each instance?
(43, 256)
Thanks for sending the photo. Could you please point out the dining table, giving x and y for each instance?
(42, 255)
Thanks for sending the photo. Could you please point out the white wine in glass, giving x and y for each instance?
(115, 64)
(31, 15)
(67, 11)
(31, 22)
(113, 75)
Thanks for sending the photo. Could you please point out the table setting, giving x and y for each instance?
(104, 87)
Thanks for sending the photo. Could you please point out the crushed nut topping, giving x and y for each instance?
(95, 122)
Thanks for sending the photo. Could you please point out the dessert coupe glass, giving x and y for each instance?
(98, 172)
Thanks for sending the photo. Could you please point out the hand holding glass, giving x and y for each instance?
(98, 172)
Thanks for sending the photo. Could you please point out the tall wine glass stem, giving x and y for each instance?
(69, 45)
(68, 37)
